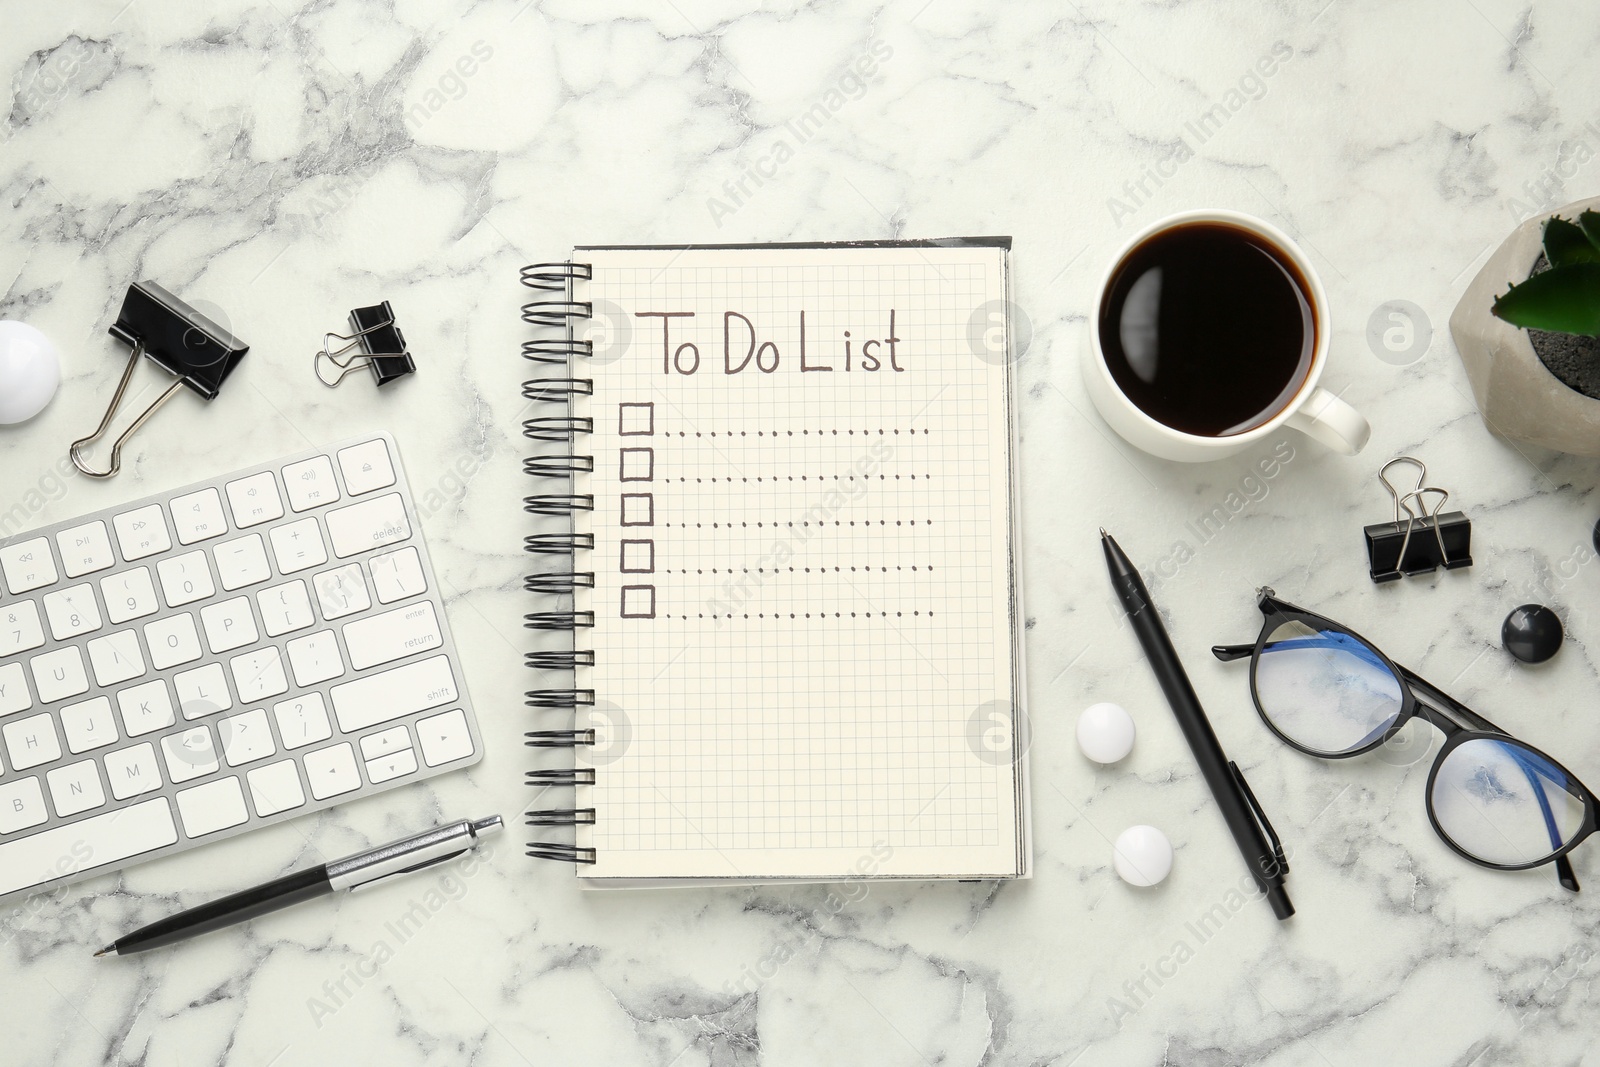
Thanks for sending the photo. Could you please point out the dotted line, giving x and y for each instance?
(780, 570)
(799, 615)
(804, 477)
(820, 522)
(790, 433)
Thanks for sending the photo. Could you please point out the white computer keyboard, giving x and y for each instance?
(235, 653)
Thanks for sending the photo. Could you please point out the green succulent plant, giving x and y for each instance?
(1566, 297)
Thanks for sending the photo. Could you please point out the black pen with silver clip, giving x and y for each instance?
(413, 853)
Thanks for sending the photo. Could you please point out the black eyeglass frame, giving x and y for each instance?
(1418, 696)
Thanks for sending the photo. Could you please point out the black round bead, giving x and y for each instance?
(1532, 633)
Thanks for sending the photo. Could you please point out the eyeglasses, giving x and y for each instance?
(1499, 802)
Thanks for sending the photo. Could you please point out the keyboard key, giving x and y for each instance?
(310, 483)
(401, 632)
(387, 768)
(129, 595)
(20, 629)
(198, 517)
(116, 658)
(229, 625)
(21, 806)
(88, 725)
(133, 771)
(258, 675)
(285, 608)
(75, 789)
(342, 592)
(202, 691)
(145, 708)
(101, 839)
(444, 738)
(241, 562)
(28, 565)
(205, 809)
(275, 788)
(72, 611)
(385, 742)
(246, 737)
(366, 467)
(185, 579)
(370, 524)
(315, 658)
(142, 532)
(190, 754)
(31, 742)
(13, 689)
(380, 697)
(85, 549)
(332, 771)
(172, 641)
(302, 721)
(397, 575)
(254, 500)
(298, 545)
(58, 675)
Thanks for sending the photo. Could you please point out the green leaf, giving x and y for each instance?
(1563, 299)
(1565, 244)
(1589, 222)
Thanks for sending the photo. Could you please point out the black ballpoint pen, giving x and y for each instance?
(398, 857)
(1245, 819)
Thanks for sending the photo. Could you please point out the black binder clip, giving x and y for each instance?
(179, 340)
(1419, 540)
(382, 347)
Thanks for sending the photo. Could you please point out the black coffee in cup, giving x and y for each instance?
(1208, 328)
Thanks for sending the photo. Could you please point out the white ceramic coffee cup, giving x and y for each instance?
(1312, 410)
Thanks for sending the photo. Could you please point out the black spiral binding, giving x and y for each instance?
(555, 309)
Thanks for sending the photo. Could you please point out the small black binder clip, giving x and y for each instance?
(1420, 539)
(179, 340)
(381, 346)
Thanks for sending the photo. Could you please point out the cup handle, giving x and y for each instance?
(1326, 418)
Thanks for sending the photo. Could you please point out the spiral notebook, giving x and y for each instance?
(785, 478)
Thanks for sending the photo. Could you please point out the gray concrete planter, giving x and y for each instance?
(1517, 395)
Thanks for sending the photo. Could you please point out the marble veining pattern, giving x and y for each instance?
(280, 163)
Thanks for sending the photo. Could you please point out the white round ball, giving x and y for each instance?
(30, 370)
(1142, 855)
(1105, 732)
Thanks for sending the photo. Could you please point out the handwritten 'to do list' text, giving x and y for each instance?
(743, 349)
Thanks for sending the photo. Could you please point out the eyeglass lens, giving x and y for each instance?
(1325, 690)
(1505, 803)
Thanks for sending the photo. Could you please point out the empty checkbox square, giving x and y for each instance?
(636, 420)
(638, 556)
(638, 465)
(638, 509)
(638, 602)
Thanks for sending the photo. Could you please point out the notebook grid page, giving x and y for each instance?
(801, 594)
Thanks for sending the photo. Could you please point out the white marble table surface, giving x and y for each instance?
(283, 162)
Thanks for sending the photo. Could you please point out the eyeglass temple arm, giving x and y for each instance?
(1229, 653)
